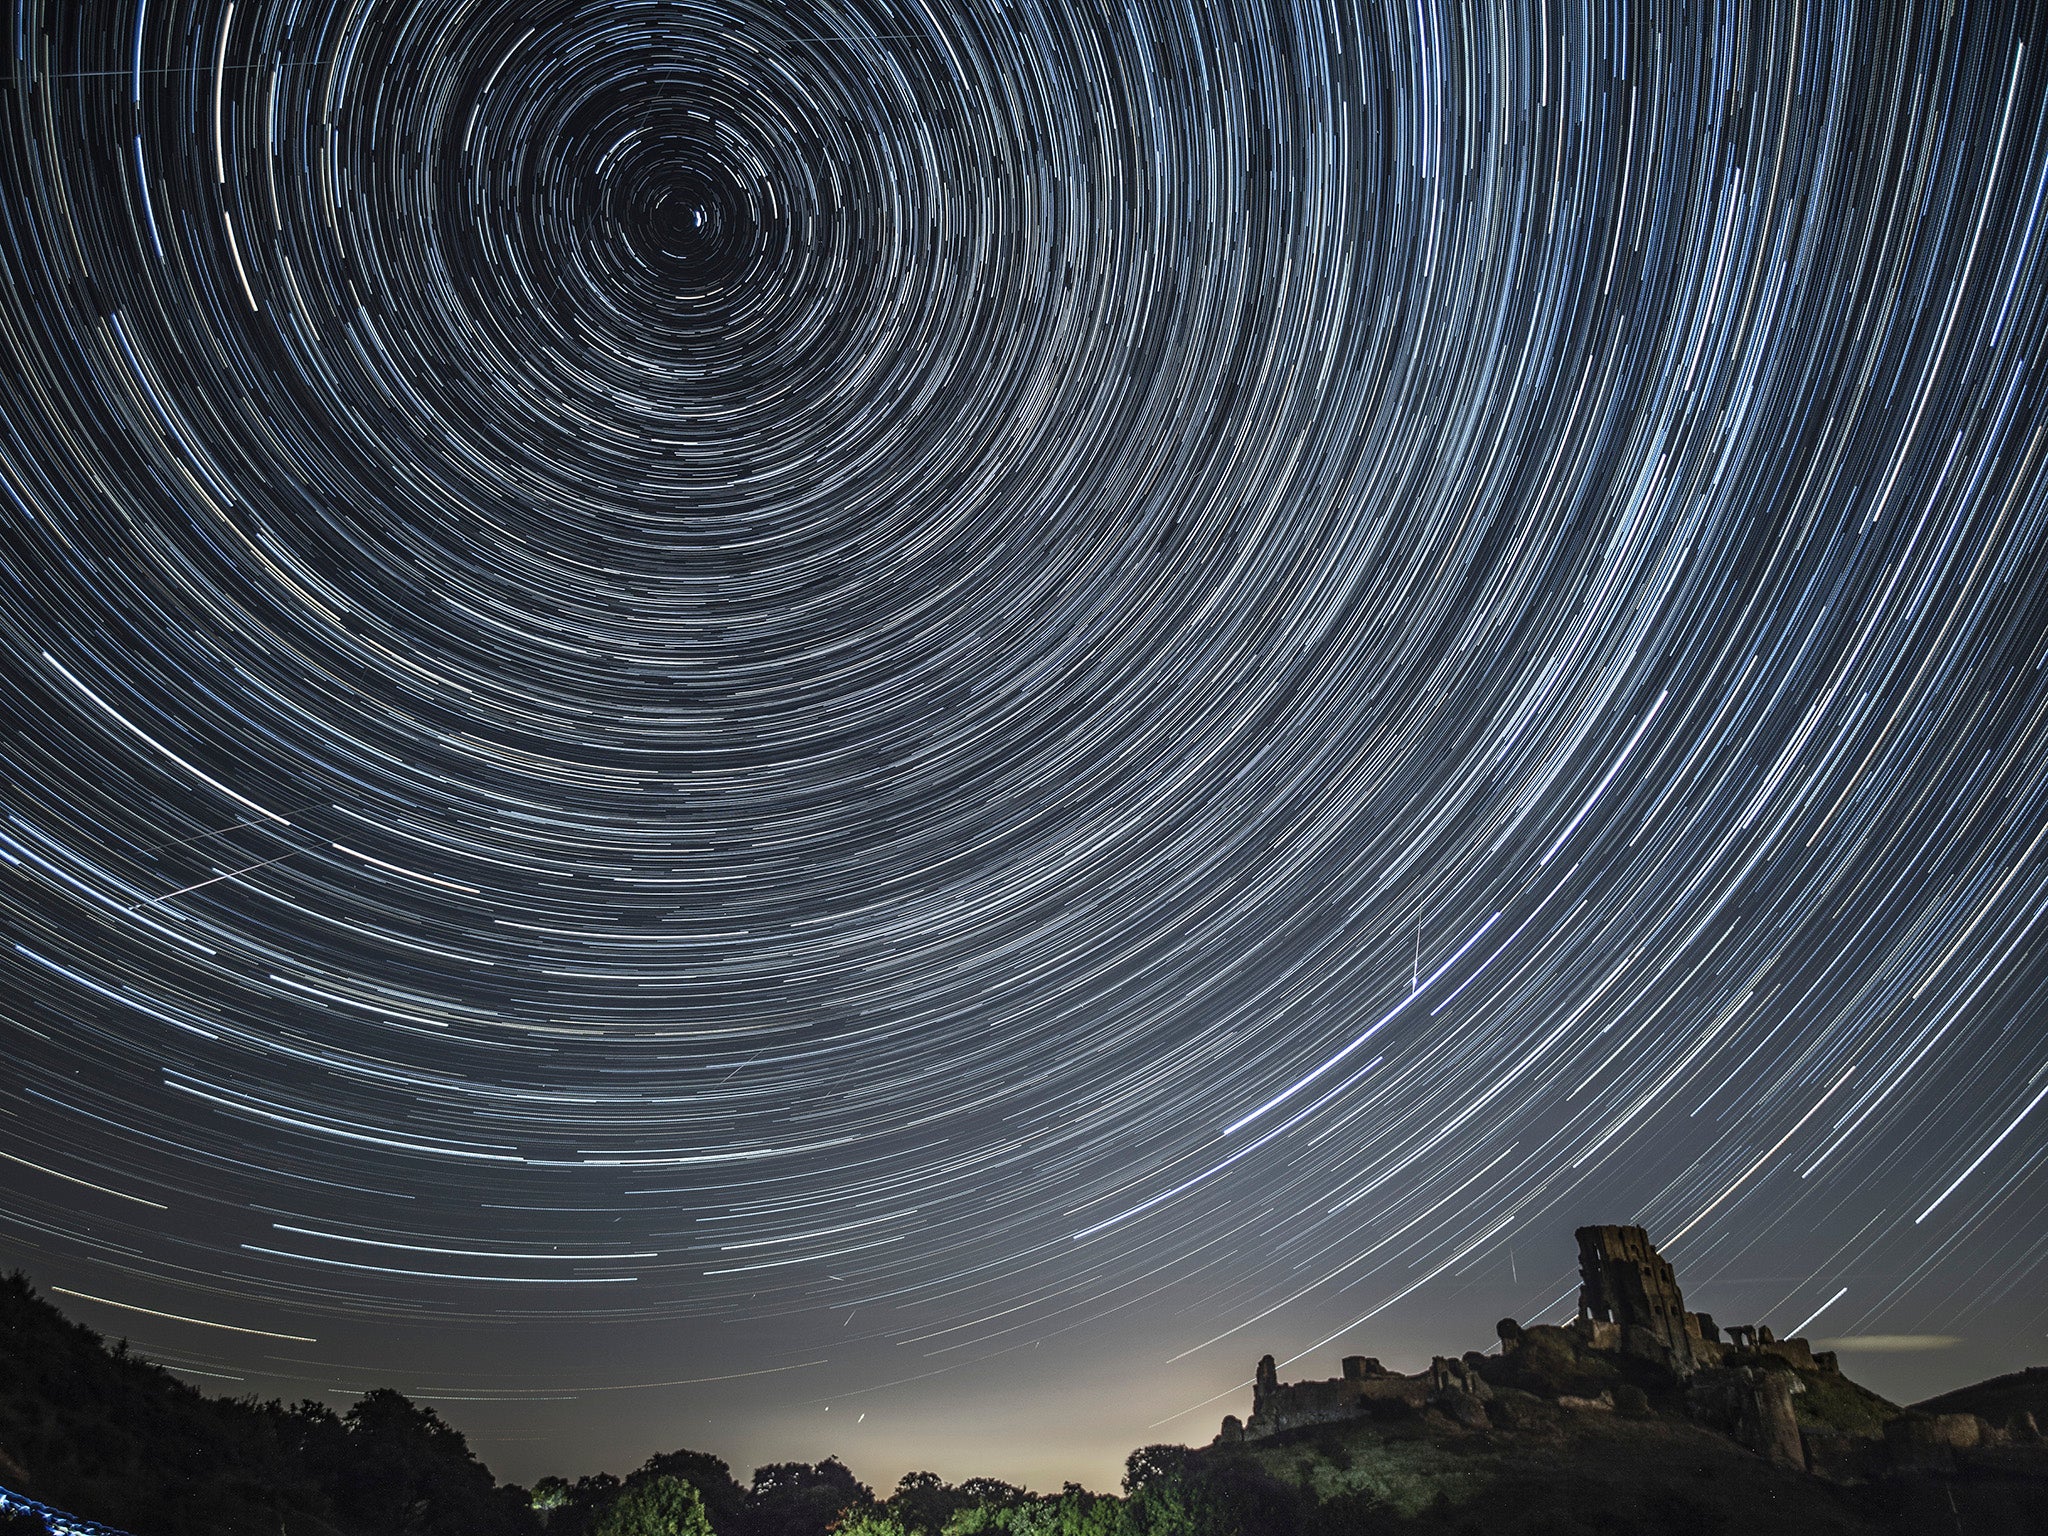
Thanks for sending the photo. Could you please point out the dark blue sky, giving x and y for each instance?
(893, 730)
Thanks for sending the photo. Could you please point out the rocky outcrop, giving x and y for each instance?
(1752, 1405)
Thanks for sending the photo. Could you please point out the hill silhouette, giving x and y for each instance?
(1641, 1417)
(99, 1431)
(1999, 1400)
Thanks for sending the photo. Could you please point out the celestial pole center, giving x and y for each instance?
(845, 690)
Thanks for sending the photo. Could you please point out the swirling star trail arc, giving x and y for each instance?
(903, 702)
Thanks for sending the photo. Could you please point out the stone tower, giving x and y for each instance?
(1625, 1281)
(1265, 1387)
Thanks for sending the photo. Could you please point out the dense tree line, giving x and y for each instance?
(1168, 1491)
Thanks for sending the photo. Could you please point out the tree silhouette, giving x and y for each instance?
(725, 1501)
(410, 1473)
(795, 1498)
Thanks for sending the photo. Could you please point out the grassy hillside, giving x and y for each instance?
(1560, 1473)
(1837, 1403)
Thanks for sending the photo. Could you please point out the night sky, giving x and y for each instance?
(894, 728)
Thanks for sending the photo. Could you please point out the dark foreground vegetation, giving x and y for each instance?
(100, 1432)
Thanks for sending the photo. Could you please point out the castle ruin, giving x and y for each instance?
(1630, 1308)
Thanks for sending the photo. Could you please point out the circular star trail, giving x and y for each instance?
(885, 684)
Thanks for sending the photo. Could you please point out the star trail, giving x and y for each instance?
(961, 711)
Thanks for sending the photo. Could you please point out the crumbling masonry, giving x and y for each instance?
(1629, 1304)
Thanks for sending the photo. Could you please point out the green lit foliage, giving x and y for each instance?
(1172, 1491)
(870, 1523)
(725, 1501)
(926, 1506)
(573, 1509)
(1072, 1512)
(1163, 1496)
(656, 1506)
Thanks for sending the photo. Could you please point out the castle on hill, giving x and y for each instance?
(1633, 1338)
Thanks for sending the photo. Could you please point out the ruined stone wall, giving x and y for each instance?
(1289, 1405)
(1624, 1280)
